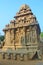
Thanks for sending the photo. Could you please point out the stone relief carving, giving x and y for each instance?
(23, 33)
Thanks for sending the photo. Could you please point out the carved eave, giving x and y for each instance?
(5, 29)
(23, 14)
(24, 10)
(32, 24)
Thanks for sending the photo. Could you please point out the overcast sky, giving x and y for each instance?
(9, 8)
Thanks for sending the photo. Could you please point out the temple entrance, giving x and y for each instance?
(35, 56)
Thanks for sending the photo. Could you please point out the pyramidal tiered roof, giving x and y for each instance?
(24, 11)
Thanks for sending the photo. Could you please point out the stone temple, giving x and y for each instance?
(22, 36)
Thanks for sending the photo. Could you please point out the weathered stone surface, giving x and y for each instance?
(22, 34)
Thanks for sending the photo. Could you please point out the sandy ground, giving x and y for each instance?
(16, 62)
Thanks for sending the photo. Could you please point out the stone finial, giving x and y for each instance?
(24, 9)
(24, 6)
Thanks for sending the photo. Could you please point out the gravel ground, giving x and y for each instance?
(16, 62)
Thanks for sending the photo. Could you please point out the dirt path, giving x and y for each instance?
(13, 62)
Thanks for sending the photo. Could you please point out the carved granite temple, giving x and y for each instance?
(22, 36)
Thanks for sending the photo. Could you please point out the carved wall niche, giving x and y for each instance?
(7, 36)
(34, 33)
(30, 35)
(22, 36)
(33, 36)
(23, 40)
(17, 36)
(27, 37)
(38, 35)
(12, 35)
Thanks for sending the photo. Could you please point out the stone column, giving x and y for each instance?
(22, 38)
(24, 34)
(3, 55)
(12, 35)
(8, 56)
(21, 57)
(15, 56)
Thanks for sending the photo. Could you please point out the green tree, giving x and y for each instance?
(2, 37)
(41, 35)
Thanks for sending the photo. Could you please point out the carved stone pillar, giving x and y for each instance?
(3, 55)
(21, 57)
(24, 34)
(8, 56)
(15, 56)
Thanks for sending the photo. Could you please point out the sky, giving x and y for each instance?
(9, 8)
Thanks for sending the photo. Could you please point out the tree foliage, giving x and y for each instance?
(1, 37)
(41, 34)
